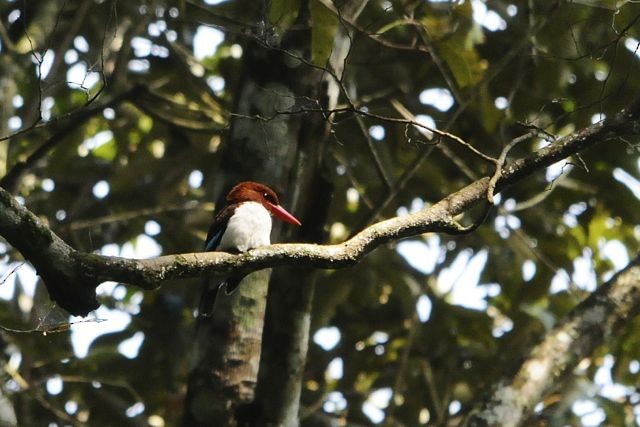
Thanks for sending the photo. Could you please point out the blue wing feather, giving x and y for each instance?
(210, 289)
(213, 241)
(214, 237)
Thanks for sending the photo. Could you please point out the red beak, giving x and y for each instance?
(281, 213)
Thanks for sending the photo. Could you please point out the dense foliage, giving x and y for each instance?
(115, 116)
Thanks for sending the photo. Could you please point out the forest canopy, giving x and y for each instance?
(466, 174)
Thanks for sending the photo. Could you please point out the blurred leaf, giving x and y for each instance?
(579, 67)
(325, 25)
(283, 13)
(107, 151)
(607, 4)
(465, 65)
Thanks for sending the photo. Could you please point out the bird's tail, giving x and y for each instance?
(210, 291)
(231, 284)
(207, 299)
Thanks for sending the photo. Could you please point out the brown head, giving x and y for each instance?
(250, 191)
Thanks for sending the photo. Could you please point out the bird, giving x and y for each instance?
(243, 223)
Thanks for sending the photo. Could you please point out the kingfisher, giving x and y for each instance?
(243, 223)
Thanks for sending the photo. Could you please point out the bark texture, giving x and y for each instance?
(227, 355)
(288, 316)
(230, 342)
(596, 318)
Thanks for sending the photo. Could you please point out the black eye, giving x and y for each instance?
(268, 197)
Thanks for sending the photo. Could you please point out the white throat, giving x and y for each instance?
(249, 227)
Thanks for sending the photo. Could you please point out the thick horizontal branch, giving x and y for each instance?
(588, 326)
(71, 276)
(148, 273)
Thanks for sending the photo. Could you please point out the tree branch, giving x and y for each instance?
(71, 276)
(73, 121)
(586, 327)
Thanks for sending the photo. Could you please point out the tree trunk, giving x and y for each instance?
(288, 321)
(227, 354)
(7, 92)
(263, 148)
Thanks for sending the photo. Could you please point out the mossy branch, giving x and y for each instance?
(599, 316)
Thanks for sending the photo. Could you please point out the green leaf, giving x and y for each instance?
(107, 151)
(606, 4)
(464, 63)
(391, 25)
(145, 123)
(283, 13)
(325, 26)
(490, 114)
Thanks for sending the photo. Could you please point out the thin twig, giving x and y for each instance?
(126, 216)
(488, 77)
(74, 120)
(52, 329)
(9, 274)
(501, 162)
